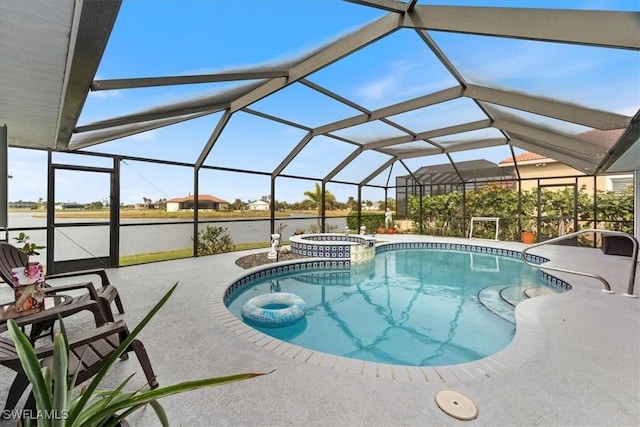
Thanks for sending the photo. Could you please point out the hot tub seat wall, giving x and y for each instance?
(353, 247)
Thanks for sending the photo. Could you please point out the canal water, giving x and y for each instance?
(89, 241)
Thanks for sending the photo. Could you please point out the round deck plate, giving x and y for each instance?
(456, 405)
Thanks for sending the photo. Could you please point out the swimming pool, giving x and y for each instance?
(410, 306)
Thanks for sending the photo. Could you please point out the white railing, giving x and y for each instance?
(607, 287)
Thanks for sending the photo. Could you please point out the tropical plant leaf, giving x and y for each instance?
(93, 385)
(160, 413)
(153, 395)
(95, 407)
(31, 366)
(60, 376)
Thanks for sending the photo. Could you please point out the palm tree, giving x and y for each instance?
(316, 197)
(352, 204)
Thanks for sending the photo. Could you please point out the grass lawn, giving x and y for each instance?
(182, 253)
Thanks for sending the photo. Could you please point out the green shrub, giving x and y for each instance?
(371, 220)
(214, 240)
(442, 214)
(315, 229)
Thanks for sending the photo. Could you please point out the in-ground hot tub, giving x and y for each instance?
(354, 248)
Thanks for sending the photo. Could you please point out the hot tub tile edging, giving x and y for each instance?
(353, 247)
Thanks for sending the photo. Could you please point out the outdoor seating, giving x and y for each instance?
(105, 294)
(88, 349)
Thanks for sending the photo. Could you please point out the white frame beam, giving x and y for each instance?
(565, 111)
(595, 28)
(136, 83)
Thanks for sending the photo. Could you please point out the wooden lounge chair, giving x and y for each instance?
(89, 349)
(105, 294)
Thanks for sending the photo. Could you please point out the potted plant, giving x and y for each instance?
(28, 281)
(53, 390)
(27, 247)
(528, 234)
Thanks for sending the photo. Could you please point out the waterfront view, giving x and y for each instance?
(151, 235)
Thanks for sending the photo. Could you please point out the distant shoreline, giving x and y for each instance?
(155, 213)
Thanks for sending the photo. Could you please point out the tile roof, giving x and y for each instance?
(201, 197)
(524, 157)
(605, 138)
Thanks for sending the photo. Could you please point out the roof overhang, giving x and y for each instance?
(50, 54)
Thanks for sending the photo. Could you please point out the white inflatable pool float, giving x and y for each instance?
(274, 310)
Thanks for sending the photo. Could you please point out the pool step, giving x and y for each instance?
(539, 291)
(501, 299)
(491, 298)
(514, 294)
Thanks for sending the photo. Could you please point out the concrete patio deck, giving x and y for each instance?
(575, 359)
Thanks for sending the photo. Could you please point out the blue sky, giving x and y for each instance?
(178, 37)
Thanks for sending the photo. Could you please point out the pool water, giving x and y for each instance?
(416, 307)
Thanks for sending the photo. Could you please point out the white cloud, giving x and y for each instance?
(106, 94)
(387, 85)
(530, 61)
(377, 89)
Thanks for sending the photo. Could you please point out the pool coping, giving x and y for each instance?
(525, 345)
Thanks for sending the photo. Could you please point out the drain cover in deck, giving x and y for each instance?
(456, 405)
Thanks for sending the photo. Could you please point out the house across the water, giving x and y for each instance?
(205, 202)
